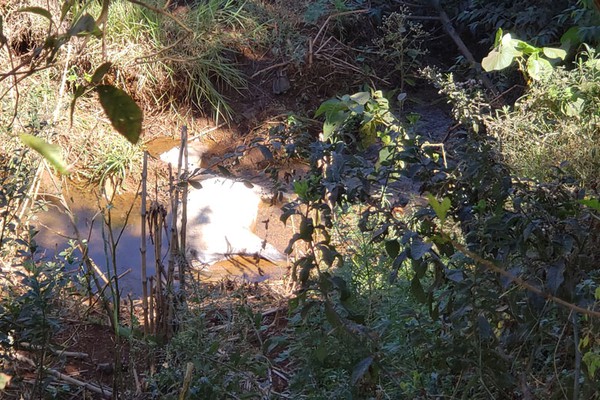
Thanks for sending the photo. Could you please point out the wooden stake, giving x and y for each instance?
(143, 246)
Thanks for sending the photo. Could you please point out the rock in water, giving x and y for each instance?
(220, 220)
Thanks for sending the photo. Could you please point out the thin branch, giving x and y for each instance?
(494, 268)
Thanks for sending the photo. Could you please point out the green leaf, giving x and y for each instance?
(361, 369)
(417, 290)
(392, 248)
(573, 108)
(39, 11)
(306, 229)
(125, 116)
(592, 361)
(329, 106)
(496, 61)
(64, 10)
(195, 184)
(503, 55)
(361, 97)
(84, 26)
(591, 203)
(524, 47)
(553, 52)
(419, 248)
(539, 68)
(441, 209)
(498, 38)
(597, 293)
(100, 72)
(224, 171)
(571, 37)
(50, 152)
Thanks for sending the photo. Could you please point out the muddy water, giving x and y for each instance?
(56, 229)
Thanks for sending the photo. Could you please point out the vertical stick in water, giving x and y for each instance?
(143, 246)
(182, 237)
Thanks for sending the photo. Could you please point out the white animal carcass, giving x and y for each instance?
(195, 153)
(220, 220)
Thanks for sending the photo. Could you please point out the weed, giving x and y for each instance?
(554, 126)
(402, 45)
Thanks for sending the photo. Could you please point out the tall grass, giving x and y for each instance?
(187, 59)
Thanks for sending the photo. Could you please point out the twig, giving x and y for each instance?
(143, 245)
(577, 371)
(63, 83)
(362, 11)
(187, 380)
(461, 45)
(73, 354)
(494, 268)
(182, 233)
(281, 64)
(102, 390)
(206, 132)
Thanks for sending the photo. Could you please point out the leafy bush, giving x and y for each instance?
(554, 126)
(476, 334)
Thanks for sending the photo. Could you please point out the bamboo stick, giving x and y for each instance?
(143, 246)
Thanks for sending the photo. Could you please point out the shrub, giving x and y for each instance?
(555, 125)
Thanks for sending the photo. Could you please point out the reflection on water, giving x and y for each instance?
(55, 230)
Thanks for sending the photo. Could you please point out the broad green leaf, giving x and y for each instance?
(592, 361)
(539, 68)
(125, 116)
(573, 108)
(392, 248)
(39, 11)
(441, 209)
(361, 369)
(224, 171)
(552, 52)
(329, 106)
(571, 37)
(195, 184)
(50, 152)
(503, 55)
(85, 25)
(497, 60)
(266, 153)
(419, 248)
(341, 285)
(355, 107)
(524, 47)
(100, 72)
(361, 97)
(591, 203)
(597, 293)
(417, 290)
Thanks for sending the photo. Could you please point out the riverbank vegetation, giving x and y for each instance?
(446, 223)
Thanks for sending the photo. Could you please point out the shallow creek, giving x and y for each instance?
(55, 229)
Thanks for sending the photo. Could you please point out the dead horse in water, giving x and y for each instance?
(221, 216)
